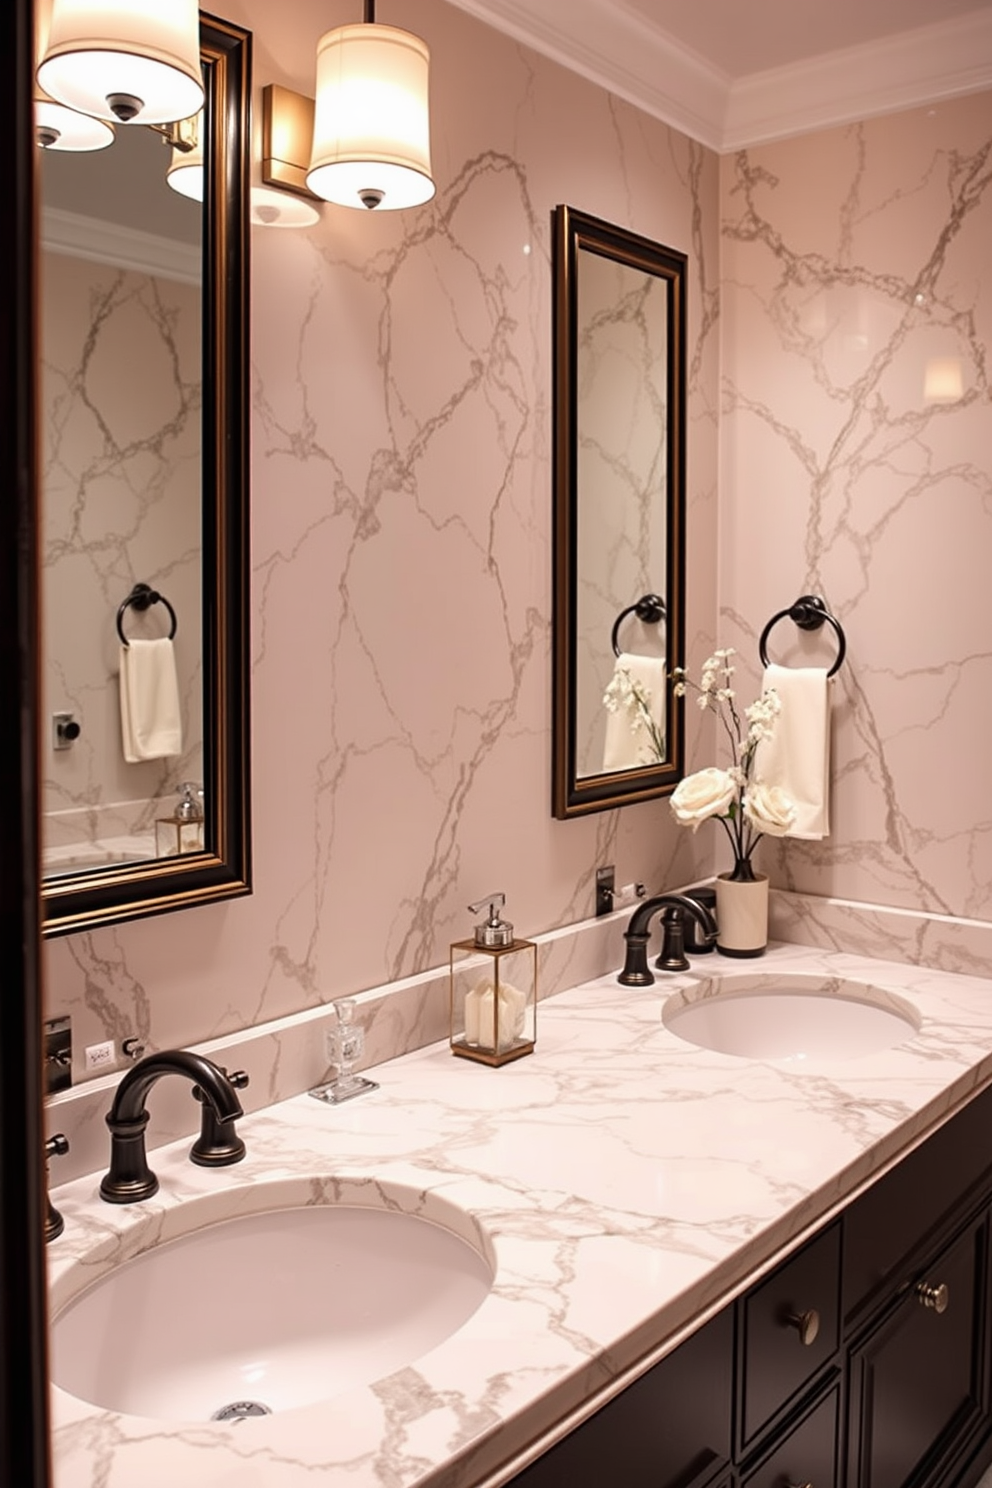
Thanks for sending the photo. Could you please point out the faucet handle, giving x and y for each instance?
(218, 1145)
(56, 1146)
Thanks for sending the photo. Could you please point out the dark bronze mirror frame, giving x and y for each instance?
(105, 896)
(576, 233)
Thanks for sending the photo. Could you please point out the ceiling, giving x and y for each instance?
(732, 73)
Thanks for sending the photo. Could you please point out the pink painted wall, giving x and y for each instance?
(402, 552)
(855, 269)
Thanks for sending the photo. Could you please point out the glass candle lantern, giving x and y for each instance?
(493, 987)
(182, 832)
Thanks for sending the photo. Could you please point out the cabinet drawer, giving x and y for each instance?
(918, 1383)
(670, 1429)
(809, 1454)
(789, 1330)
(930, 1188)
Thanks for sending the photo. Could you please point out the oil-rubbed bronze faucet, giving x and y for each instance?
(56, 1146)
(673, 909)
(218, 1144)
(130, 1179)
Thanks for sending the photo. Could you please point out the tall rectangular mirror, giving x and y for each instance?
(619, 514)
(144, 408)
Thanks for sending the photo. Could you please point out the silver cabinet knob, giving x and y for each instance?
(808, 1326)
(934, 1297)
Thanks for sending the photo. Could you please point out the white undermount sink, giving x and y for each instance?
(272, 1310)
(792, 1017)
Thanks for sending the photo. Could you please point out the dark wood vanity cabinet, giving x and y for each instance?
(919, 1379)
(864, 1360)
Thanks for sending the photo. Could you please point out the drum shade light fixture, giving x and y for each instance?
(125, 60)
(371, 134)
(58, 127)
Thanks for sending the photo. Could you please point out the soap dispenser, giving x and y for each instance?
(493, 984)
(182, 832)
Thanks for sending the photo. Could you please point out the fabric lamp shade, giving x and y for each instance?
(371, 138)
(58, 127)
(185, 172)
(125, 59)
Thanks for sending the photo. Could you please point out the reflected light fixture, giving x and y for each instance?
(58, 127)
(371, 135)
(125, 60)
(185, 169)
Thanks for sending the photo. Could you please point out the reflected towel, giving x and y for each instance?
(797, 756)
(151, 723)
(628, 742)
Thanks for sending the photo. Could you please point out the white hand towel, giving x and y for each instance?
(628, 738)
(797, 756)
(151, 723)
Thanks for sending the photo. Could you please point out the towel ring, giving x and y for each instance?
(650, 608)
(140, 598)
(809, 613)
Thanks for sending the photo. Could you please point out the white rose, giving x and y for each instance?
(700, 796)
(769, 809)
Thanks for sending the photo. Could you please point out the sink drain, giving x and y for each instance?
(240, 1410)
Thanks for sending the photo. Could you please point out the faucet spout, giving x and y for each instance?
(130, 1179)
(673, 908)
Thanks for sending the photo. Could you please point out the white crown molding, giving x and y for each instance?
(621, 51)
(91, 238)
(905, 71)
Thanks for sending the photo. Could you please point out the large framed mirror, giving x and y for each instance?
(619, 528)
(144, 408)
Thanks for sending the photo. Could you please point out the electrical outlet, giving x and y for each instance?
(605, 881)
(627, 894)
(100, 1056)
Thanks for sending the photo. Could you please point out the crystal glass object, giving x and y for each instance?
(346, 1044)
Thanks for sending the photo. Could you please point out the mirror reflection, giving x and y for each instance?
(619, 510)
(621, 479)
(144, 406)
(120, 398)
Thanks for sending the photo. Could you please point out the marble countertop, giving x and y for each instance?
(629, 1184)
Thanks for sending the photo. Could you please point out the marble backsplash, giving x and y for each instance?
(288, 1055)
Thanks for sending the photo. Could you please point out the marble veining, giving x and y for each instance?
(401, 534)
(856, 318)
(121, 503)
(628, 1185)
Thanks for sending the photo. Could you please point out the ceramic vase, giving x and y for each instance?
(742, 915)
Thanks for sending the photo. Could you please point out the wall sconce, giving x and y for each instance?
(125, 60)
(269, 208)
(57, 127)
(287, 130)
(371, 137)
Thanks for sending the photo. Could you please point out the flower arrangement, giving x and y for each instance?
(736, 797)
(628, 695)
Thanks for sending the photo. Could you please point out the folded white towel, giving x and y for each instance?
(797, 756)
(151, 723)
(628, 742)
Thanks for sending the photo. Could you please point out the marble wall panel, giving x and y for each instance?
(401, 536)
(855, 437)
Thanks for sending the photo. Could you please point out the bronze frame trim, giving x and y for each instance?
(108, 896)
(571, 795)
